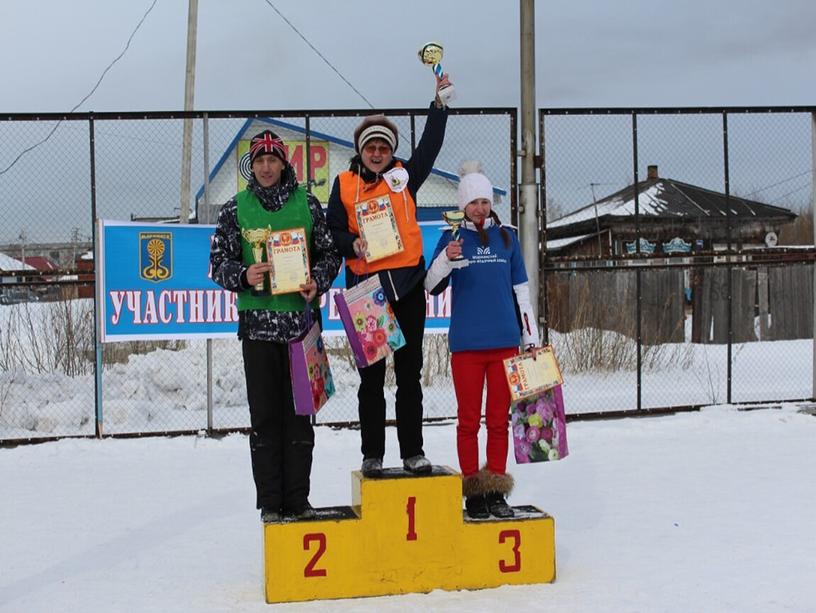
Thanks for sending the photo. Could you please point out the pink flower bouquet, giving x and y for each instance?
(539, 427)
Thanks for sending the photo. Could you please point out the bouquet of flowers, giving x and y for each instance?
(539, 427)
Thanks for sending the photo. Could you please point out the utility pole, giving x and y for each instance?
(74, 243)
(528, 219)
(23, 237)
(189, 91)
(597, 223)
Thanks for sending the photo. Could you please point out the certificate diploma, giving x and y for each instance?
(378, 228)
(288, 254)
(532, 372)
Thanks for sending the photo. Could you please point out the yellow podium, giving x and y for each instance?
(404, 533)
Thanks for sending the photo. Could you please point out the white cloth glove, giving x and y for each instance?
(529, 326)
(440, 268)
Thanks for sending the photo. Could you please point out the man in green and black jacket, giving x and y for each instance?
(281, 442)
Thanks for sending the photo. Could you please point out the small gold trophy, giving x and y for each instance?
(431, 55)
(257, 238)
(454, 219)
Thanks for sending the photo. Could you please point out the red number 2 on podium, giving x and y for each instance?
(320, 538)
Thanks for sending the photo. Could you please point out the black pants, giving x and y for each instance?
(281, 442)
(410, 312)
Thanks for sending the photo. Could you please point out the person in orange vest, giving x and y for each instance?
(375, 173)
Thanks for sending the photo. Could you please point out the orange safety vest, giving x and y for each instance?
(354, 190)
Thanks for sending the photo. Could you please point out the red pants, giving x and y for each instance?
(470, 370)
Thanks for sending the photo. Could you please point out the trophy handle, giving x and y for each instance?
(257, 255)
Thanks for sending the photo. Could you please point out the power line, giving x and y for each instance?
(793, 191)
(90, 93)
(320, 55)
(762, 189)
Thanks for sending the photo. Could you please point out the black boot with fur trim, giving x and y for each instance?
(473, 491)
(497, 487)
(484, 494)
(476, 507)
(498, 506)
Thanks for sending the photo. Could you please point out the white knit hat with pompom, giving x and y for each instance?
(473, 185)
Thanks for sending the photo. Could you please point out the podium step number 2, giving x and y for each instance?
(404, 533)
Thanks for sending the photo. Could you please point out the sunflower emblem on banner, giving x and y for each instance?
(155, 256)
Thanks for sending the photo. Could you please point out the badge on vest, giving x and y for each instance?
(397, 179)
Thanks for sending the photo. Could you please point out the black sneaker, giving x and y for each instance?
(476, 507)
(372, 467)
(269, 515)
(498, 506)
(305, 512)
(417, 464)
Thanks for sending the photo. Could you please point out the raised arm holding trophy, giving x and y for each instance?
(379, 190)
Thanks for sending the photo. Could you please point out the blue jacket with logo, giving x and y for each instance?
(484, 314)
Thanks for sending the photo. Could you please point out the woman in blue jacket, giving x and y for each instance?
(491, 316)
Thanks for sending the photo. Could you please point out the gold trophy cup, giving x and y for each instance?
(454, 219)
(431, 55)
(257, 238)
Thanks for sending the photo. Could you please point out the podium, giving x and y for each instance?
(404, 533)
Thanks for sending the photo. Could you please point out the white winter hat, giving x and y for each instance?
(473, 184)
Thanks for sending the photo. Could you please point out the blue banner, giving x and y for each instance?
(154, 283)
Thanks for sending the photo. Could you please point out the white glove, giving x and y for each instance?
(529, 326)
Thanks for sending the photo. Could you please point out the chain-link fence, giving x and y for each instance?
(683, 284)
(679, 255)
(60, 173)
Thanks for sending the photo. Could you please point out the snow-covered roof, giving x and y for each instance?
(650, 203)
(669, 198)
(9, 263)
(560, 243)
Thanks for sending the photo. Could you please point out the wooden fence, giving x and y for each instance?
(768, 303)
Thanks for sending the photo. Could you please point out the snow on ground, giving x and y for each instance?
(709, 511)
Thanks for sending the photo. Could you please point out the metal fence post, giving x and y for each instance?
(543, 254)
(207, 219)
(813, 220)
(728, 252)
(97, 258)
(638, 296)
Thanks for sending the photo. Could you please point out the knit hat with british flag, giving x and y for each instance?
(266, 142)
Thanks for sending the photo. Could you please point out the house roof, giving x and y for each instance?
(10, 263)
(559, 243)
(313, 134)
(669, 200)
(41, 263)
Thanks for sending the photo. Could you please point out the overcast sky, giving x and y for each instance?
(588, 53)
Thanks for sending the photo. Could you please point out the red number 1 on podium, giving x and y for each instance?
(410, 509)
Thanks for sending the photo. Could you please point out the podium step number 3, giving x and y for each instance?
(404, 533)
